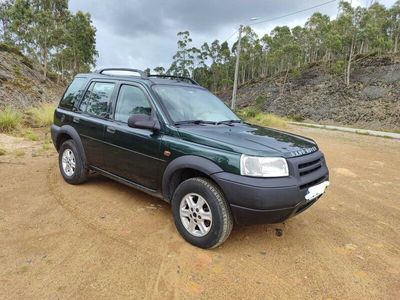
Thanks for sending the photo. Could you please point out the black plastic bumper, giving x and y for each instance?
(273, 200)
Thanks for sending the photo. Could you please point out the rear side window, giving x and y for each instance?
(73, 93)
(131, 101)
(97, 98)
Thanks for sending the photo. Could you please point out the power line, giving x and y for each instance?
(293, 13)
(287, 15)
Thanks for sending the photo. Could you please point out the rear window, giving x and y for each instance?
(73, 92)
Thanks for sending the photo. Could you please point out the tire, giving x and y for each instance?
(72, 175)
(196, 230)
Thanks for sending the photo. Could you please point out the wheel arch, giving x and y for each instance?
(67, 132)
(183, 168)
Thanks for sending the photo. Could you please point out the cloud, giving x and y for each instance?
(142, 34)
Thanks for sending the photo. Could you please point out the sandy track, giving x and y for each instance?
(103, 240)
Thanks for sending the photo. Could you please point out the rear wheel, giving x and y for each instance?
(71, 164)
(201, 213)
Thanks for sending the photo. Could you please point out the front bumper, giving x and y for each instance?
(273, 200)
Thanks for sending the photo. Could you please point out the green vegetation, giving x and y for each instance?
(43, 115)
(3, 151)
(19, 152)
(263, 119)
(9, 119)
(46, 31)
(337, 43)
(30, 135)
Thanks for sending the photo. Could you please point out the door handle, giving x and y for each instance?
(76, 120)
(110, 129)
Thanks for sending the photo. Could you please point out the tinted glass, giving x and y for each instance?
(189, 103)
(131, 100)
(73, 93)
(86, 98)
(97, 98)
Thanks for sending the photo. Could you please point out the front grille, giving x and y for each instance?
(312, 183)
(310, 169)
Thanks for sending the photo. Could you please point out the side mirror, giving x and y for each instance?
(144, 122)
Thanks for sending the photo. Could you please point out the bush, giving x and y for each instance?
(296, 118)
(251, 115)
(27, 62)
(52, 76)
(260, 100)
(337, 68)
(9, 119)
(42, 116)
(30, 135)
(9, 48)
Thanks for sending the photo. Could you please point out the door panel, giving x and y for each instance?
(90, 120)
(133, 153)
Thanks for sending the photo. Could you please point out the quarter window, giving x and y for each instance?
(73, 92)
(97, 98)
(131, 100)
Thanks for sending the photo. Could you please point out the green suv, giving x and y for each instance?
(173, 139)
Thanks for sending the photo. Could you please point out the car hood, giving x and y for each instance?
(249, 139)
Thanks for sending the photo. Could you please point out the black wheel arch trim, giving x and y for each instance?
(56, 133)
(197, 163)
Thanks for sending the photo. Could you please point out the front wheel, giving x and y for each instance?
(201, 213)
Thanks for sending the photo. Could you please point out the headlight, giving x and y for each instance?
(263, 166)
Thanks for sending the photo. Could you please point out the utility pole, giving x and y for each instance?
(235, 81)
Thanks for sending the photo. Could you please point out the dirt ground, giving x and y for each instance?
(105, 240)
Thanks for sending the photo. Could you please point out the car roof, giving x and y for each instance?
(148, 80)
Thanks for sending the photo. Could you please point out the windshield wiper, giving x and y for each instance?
(194, 122)
(228, 122)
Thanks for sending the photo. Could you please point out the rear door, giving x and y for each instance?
(133, 153)
(91, 118)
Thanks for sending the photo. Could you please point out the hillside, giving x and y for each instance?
(21, 83)
(372, 100)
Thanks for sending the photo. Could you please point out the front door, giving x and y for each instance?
(133, 153)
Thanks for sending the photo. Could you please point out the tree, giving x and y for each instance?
(183, 63)
(81, 42)
(159, 70)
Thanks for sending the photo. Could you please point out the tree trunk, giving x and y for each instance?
(45, 63)
(349, 62)
(396, 43)
(284, 80)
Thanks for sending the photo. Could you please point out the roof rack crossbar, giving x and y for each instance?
(140, 72)
(192, 81)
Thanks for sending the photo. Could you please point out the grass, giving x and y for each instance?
(270, 120)
(19, 152)
(30, 135)
(3, 151)
(42, 116)
(9, 119)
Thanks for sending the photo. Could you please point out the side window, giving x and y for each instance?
(73, 92)
(86, 98)
(97, 98)
(131, 100)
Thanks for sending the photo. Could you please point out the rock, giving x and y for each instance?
(373, 92)
(4, 76)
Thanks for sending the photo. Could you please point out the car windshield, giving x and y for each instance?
(193, 104)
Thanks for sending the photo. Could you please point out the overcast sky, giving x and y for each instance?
(141, 34)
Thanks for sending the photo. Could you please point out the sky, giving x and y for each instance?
(142, 33)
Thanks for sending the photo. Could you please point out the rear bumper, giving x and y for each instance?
(273, 200)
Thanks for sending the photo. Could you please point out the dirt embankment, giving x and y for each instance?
(21, 82)
(372, 100)
(105, 240)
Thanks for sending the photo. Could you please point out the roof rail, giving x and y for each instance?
(181, 78)
(140, 72)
